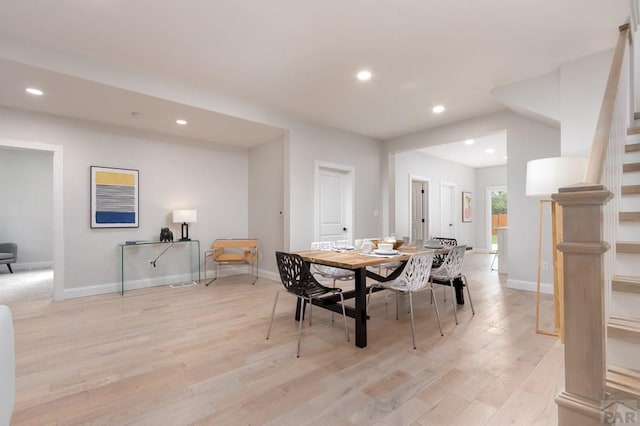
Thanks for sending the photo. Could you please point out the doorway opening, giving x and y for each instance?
(419, 208)
(497, 214)
(54, 153)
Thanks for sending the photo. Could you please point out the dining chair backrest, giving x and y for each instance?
(321, 245)
(452, 265)
(293, 272)
(415, 274)
(447, 241)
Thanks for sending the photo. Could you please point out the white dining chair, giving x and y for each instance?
(450, 270)
(413, 279)
(330, 272)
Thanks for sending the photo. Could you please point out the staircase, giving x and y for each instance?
(623, 327)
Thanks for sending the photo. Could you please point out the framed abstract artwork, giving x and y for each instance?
(114, 198)
(467, 203)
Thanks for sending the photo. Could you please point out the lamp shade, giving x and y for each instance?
(185, 216)
(546, 175)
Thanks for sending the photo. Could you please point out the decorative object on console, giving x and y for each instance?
(544, 177)
(114, 197)
(185, 217)
(166, 235)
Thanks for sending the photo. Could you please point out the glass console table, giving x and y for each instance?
(143, 256)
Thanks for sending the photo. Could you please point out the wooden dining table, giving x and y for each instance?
(358, 263)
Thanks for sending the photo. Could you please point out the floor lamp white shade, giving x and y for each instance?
(546, 175)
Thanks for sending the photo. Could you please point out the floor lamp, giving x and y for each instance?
(544, 177)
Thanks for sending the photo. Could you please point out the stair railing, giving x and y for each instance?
(589, 228)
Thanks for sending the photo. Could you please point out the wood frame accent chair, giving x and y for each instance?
(232, 252)
(8, 254)
(298, 281)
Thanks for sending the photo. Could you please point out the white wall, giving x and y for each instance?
(571, 95)
(173, 174)
(266, 202)
(214, 181)
(537, 97)
(485, 177)
(526, 140)
(582, 85)
(436, 171)
(306, 142)
(525, 143)
(309, 143)
(26, 216)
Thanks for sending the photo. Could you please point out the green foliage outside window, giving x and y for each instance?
(499, 202)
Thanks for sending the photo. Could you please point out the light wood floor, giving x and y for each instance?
(198, 355)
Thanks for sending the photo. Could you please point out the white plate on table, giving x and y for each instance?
(386, 252)
(434, 246)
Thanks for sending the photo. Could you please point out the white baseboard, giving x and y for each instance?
(28, 266)
(483, 250)
(94, 290)
(91, 290)
(529, 286)
(273, 276)
(237, 270)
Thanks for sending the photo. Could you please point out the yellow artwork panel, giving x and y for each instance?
(111, 178)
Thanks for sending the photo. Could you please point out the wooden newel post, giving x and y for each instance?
(583, 248)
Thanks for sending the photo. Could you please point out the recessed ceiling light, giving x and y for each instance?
(489, 150)
(34, 91)
(181, 122)
(506, 157)
(364, 75)
(437, 109)
(469, 142)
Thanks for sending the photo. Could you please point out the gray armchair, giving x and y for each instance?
(8, 254)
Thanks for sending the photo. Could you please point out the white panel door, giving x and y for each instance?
(448, 210)
(334, 205)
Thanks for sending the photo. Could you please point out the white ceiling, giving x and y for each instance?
(301, 57)
(72, 97)
(474, 155)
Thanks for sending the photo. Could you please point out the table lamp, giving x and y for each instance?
(185, 217)
(544, 177)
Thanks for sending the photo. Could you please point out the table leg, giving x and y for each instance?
(301, 305)
(361, 307)
(459, 286)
